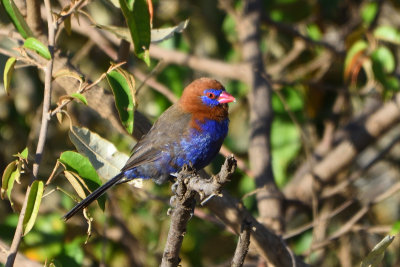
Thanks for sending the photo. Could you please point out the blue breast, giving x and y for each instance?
(202, 145)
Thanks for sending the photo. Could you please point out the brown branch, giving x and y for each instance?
(270, 246)
(340, 187)
(33, 17)
(20, 260)
(269, 200)
(347, 227)
(358, 135)
(12, 253)
(207, 65)
(188, 184)
(242, 246)
(291, 30)
(322, 218)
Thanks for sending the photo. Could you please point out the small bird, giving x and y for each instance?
(190, 132)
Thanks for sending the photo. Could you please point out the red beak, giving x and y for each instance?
(225, 97)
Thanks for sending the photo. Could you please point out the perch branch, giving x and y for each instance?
(242, 246)
(188, 185)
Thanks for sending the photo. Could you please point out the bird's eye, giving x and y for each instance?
(210, 95)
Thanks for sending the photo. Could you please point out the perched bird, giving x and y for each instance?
(189, 132)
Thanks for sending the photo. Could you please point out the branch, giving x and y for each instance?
(242, 246)
(33, 17)
(188, 185)
(345, 228)
(261, 114)
(290, 30)
(358, 135)
(12, 253)
(20, 260)
(212, 66)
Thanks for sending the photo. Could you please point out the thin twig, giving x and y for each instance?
(42, 136)
(242, 246)
(344, 229)
(85, 88)
(312, 224)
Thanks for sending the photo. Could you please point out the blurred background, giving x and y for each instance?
(331, 71)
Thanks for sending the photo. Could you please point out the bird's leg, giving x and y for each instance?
(180, 191)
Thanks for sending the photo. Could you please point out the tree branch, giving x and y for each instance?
(20, 259)
(357, 136)
(12, 253)
(189, 184)
(33, 17)
(242, 246)
(261, 114)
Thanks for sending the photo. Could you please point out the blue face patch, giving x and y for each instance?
(210, 97)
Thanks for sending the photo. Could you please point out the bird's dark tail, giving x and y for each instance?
(93, 196)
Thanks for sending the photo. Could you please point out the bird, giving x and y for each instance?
(190, 132)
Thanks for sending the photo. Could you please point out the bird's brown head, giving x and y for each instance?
(206, 98)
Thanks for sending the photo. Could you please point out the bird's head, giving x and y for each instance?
(206, 98)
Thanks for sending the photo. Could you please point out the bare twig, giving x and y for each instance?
(308, 226)
(339, 188)
(42, 136)
(344, 229)
(189, 183)
(290, 30)
(20, 260)
(242, 246)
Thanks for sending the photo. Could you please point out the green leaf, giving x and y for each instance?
(395, 228)
(375, 257)
(388, 33)
(17, 18)
(356, 48)
(314, 32)
(24, 153)
(385, 57)
(8, 179)
(103, 155)
(352, 56)
(123, 86)
(80, 165)
(285, 144)
(79, 97)
(33, 205)
(303, 243)
(37, 46)
(368, 12)
(383, 63)
(8, 72)
(137, 18)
